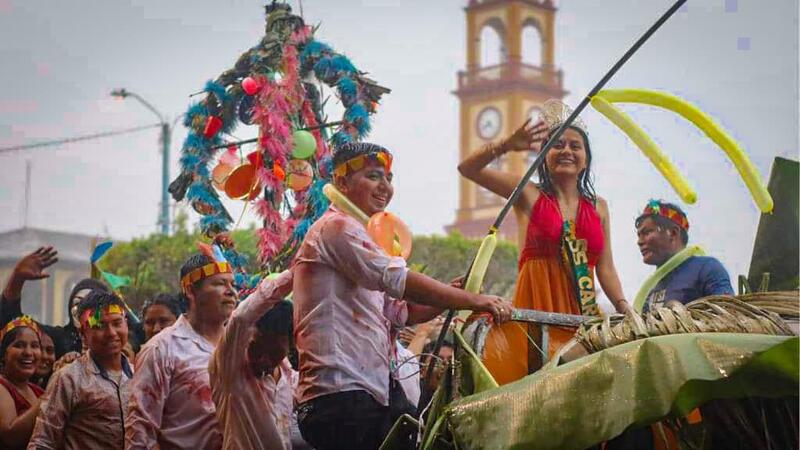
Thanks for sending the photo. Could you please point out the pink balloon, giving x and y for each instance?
(385, 228)
(250, 86)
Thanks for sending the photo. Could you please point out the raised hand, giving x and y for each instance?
(32, 266)
(528, 137)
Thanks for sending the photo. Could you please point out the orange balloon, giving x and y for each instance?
(299, 174)
(242, 183)
(220, 174)
(391, 233)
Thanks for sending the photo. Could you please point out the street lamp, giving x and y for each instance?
(163, 218)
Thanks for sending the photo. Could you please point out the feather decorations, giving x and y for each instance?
(281, 72)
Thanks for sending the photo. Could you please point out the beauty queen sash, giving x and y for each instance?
(576, 257)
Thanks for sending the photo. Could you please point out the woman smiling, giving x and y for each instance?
(20, 351)
(566, 240)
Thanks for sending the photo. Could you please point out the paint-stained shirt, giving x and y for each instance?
(83, 408)
(345, 291)
(253, 412)
(170, 402)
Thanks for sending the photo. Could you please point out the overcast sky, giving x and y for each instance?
(737, 60)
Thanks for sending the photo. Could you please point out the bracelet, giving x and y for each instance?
(493, 148)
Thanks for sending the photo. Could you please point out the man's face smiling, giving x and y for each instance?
(369, 188)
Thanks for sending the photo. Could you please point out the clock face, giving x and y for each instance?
(489, 123)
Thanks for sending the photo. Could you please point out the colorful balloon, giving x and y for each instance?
(305, 145)
(481, 263)
(648, 147)
(220, 175)
(344, 204)
(391, 233)
(651, 281)
(213, 125)
(242, 183)
(250, 86)
(707, 125)
(299, 174)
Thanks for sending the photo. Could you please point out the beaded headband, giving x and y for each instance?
(19, 322)
(657, 208)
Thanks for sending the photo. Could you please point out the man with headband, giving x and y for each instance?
(663, 231)
(346, 291)
(171, 404)
(86, 402)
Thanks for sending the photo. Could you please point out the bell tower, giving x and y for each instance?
(510, 73)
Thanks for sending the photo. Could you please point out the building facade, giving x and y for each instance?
(46, 300)
(510, 73)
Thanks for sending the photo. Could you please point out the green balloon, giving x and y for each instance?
(304, 144)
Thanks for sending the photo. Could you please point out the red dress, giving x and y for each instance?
(20, 403)
(544, 283)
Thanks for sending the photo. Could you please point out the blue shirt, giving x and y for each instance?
(697, 277)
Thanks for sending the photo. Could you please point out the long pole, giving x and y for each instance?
(553, 139)
(164, 215)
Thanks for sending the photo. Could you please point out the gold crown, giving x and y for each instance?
(555, 112)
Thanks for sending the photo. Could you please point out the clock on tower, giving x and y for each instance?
(510, 72)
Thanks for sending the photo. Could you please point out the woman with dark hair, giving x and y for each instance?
(567, 236)
(20, 350)
(159, 313)
(45, 367)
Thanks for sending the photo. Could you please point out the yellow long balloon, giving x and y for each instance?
(711, 129)
(648, 147)
(348, 207)
(480, 264)
(651, 281)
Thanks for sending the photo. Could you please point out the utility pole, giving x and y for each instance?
(163, 216)
(163, 219)
(27, 206)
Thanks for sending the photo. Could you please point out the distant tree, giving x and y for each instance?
(448, 257)
(153, 262)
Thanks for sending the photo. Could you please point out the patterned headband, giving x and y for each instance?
(658, 208)
(358, 162)
(219, 265)
(204, 272)
(92, 316)
(19, 322)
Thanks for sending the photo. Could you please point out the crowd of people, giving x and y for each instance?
(204, 370)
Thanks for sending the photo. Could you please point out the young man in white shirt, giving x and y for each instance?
(348, 293)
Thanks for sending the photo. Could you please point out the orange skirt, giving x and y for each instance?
(542, 284)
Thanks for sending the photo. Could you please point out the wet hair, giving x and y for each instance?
(585, 178)
(665, 223)
(165, 299)
(99, 299)
(278, 320)
(195, 261)
(350, 150)
(9, 338)
(86, 283)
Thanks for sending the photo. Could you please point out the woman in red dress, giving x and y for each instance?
(20, 351)
(567, 236)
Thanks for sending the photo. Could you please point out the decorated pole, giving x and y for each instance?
(492, 234)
